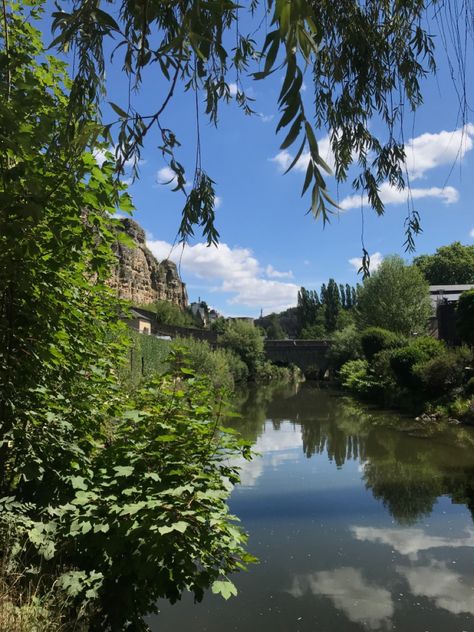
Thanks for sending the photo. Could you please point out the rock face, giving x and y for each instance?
(139, 277)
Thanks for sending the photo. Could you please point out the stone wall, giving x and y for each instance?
(139, 277)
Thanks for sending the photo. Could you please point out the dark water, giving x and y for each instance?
(361, 520)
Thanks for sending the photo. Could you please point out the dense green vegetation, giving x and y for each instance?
(147, 355)
(389, 359)
(171, 314)
(109, 500)
(465, 317)
(316, 315)
(419, 373)
(453, 264)
(395, 297)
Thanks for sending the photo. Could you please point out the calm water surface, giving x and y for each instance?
(361, 521)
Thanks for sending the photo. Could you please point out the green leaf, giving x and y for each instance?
(123, 470)
(118, 110)
(224, 588)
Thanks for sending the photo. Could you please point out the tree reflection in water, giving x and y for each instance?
(406, 465)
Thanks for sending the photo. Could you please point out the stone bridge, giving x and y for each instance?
(308, 355)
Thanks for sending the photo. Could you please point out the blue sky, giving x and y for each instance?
(269, 247)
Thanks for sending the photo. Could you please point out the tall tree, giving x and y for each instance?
(332, 305)
(453, 264)
(355, 79)
(395, 297)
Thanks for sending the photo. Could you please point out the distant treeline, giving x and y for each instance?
(317, 315)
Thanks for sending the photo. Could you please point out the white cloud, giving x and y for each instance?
(361, 601)
(99, 155)
(423, 153)
(284, 158)
(217, 202)
(275, 274)
(471, 234)
(391, 195)
(376, 259)
(233, 270)
(166, 175)
(449, 590)
(411, 541)
(233, 89)
(272, 450)
(266, 118)
(429, 151)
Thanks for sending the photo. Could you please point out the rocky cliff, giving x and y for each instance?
(139, 277)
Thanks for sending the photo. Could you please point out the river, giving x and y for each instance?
(361, 520)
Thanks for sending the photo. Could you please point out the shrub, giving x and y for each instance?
(354, 375)
(221, 366)
(246, 341)
(345, 346)
(376, 339)
(416, 352)
(465, 317)
(470, 386)
(444, 372)
(381, 371)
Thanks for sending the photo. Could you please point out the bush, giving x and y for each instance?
(345, 346)
(443, 372)
(313, 332)
(465, 317)
(470, 386)
(221, 366)
(376, 339)
(354, 375)
(383, 377)
(418, 351)
(246, 341)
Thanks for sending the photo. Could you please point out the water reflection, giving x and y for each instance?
(411, 542)
(406, 470)
(446, 588)
(361, 520)
(360, 600)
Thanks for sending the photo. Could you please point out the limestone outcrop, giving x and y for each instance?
(139, 277)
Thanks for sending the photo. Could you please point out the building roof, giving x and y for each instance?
(447, 293)
(450, 289)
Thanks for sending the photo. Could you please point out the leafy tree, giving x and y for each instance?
(247, 342)
(89, 479)
(169, 313)
(275, 331)
(332, 303)
(453, 264)
(355, 78)
(465, 317)
(395, 297)
(308, 308)
(219, 325)
(315, 331)
(345, 346)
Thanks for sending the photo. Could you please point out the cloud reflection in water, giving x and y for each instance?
(361, 601)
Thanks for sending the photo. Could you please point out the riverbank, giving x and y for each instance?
(420, 375)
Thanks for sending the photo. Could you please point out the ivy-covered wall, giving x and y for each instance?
(147, 355)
